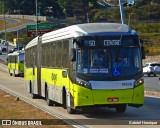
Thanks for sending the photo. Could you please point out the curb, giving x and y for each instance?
(152, 93)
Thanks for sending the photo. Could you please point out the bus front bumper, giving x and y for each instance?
(87, 97)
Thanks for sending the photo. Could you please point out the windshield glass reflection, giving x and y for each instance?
(116, 61)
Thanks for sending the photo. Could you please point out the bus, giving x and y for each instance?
(15, 64)
(85, 66)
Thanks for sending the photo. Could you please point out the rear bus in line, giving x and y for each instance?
(16, 63)
(86, 65)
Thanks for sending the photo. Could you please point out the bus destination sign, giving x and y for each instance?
(101, 42)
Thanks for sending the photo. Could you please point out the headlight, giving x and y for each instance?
(138, 82)
(83, 83)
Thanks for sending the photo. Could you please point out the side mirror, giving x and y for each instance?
(73, 55)
(143, 52)
(142, 48)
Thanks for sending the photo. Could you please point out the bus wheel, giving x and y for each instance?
(10, 73)
(34, 96)
(121, 108)
(49, 102)
(14, 74)
(69, 109)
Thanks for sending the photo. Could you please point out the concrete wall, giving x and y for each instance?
(151, 59)
(27, 17)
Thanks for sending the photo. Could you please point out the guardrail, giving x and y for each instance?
(151, 59)
(30, 17)
(25, 17)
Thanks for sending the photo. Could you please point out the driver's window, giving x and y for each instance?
(82, 59)
(99, 59)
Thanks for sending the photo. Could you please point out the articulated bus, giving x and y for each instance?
(16, 63)
(86, 65)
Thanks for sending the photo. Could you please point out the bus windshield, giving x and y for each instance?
(109, 61)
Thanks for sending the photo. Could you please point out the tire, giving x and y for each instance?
(14, 74)
(121, 108)
(157, 69)
(64, 99)
(69, 109)
(48, 101)
(34, 96)
(10, 73)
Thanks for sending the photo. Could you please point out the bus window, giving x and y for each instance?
(53, 54)
(59, 54)
(125, 64)
(65, 54)
(93, 61)
(43, 55)
(48, 52)
(98, 59)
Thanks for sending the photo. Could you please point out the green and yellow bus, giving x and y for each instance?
(86, 65)
(16, 63)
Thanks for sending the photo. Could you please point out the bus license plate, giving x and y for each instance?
(113, 99)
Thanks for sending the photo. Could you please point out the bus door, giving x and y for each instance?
(72, 76)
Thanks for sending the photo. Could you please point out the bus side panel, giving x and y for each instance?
(45, 81)
(51, 78)
(20, 68)
(27, 78)
(30, 79)
(82, 96)
(13, 66)
(55, 82)
(16, 68)
(138, 95)
(10, 67)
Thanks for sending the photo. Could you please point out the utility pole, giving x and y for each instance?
(87, 17)
(121, 11)
(5, 26)
(17, 41)
(36, 19)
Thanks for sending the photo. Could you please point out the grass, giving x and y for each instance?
(11, 108)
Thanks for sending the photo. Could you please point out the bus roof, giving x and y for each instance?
(88, 29)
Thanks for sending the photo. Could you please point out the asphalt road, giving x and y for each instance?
(94, 118)
(152, 83)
